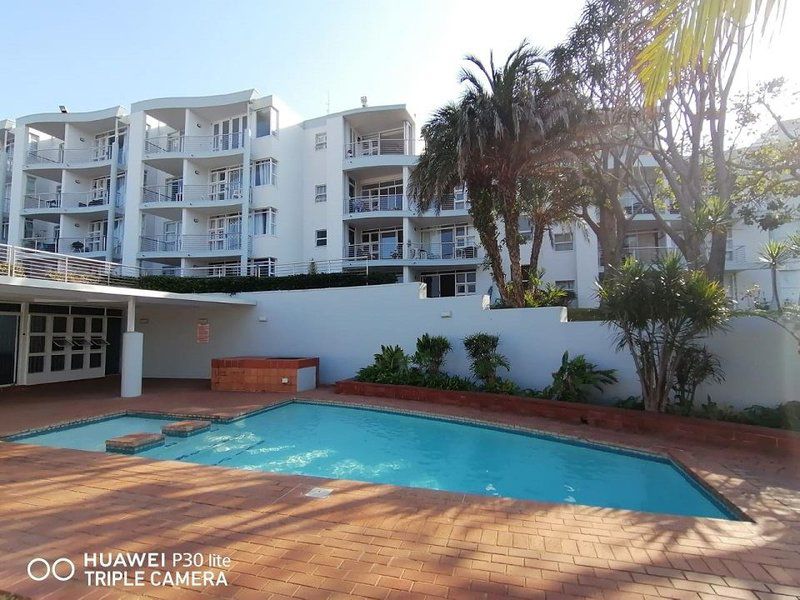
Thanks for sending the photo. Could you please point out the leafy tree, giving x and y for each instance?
(431, 350)
(695, 365)
(482, 351)
(775, 254)
(659, 310)
(508, 124)
(687, 34)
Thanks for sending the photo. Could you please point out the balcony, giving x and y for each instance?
(188, 194)
(214, 244)
(56, 157)
(363, 205)
(89, 245)
(464, 250)
(194, 144)
(379, 152)
(48, 201)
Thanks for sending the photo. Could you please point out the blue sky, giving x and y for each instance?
(92, 54)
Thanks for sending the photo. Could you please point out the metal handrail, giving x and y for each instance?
(215, 192)
(461, 249)
(50, 200)
(194, 143)
(32, 263)
(68, 155)
(87, 244)
(191, 243)
(378, 147)
(362, 204)
(374, 251)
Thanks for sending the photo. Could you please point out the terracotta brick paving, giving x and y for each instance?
(375, 541)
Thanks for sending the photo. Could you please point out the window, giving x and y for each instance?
(263, 267)
(562, 242)
(322, 237)
(320, 193)
(265, 172)
(265, 221)
(568, 285)
(321, 141)
(266, 122)
(465, 283)
(525, 229)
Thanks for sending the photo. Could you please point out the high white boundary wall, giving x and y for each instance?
(345, 327)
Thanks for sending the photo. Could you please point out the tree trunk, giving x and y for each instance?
(511, 227)
(537, 239)
(715, 268)
(775, 299)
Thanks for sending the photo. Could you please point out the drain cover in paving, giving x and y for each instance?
(319, 492)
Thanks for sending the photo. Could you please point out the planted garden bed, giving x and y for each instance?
(620, 419)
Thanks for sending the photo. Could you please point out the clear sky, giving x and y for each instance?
(92, 54)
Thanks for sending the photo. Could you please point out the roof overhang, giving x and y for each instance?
(22, 289)
(54, 124)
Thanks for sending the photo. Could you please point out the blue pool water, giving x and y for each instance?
(382, 447)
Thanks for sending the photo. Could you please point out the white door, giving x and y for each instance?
(172, 235)
(101, 188)
(95, 241)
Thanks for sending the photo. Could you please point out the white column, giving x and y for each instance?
(132, 355)
(15, 218)
(245, 222)
(134, 177)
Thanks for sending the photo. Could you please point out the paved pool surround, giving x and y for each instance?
(264, 374)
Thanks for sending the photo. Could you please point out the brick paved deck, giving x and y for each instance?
(374, 541)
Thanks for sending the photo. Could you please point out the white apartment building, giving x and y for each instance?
(240, 184)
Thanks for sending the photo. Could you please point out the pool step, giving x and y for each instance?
(185, 428)
(134, 442)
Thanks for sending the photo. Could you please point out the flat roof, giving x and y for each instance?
(22, 289)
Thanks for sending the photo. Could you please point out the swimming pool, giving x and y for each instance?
(415, 451)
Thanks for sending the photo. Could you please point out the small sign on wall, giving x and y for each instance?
(203, 333)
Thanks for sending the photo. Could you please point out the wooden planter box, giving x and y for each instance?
(608, 417)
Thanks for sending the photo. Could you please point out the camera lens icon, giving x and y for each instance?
(61, 569)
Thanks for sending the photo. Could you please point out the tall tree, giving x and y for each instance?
(507, 125)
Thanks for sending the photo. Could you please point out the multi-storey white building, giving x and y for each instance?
(239, 183)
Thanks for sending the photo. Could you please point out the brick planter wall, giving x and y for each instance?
(260, 374)
(699, 430)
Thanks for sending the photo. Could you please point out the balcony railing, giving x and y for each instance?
(82, 245)
(57, 156)
(49, 200)
(216, 192)
(463, 249)
(378, 147)
(366, 204)
(223, 242)
(37, 264)
(194, 143)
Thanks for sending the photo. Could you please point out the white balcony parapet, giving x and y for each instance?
(379, 147)
(224, 242)
(32, 263)
(192, 144)
(217, 192)
(367, 204)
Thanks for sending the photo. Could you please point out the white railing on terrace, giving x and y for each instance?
(463, 249)
(85, 245)
(56, 156)
(637, 208)
(365, 204)
(36, 264)
(216, 192)
(378, 147)
(224, 242)
(46, 200)
(194, 143)
(648, 254)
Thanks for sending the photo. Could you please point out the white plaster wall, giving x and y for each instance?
(345, 327)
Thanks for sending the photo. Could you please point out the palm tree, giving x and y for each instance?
(504, 126)
(775, 254)
(685, 31)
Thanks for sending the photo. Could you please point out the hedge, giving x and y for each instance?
(233, 285)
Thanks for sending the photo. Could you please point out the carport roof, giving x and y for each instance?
(21, 289)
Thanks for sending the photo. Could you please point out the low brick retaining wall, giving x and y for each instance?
(607, 417)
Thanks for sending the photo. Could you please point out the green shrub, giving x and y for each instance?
(439, 381)
(585, 314)
(238, 284)
(392, 359)
(431, 350)
(695, 365)
(482, 351)
(575, 377)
